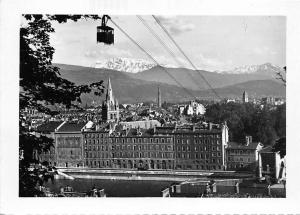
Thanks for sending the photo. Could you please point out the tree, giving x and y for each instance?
(280, 120)
(281, 75)
(280, 145)
(42, 86)
(248, 119)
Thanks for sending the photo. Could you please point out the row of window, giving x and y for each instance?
(197, 156)
(128, 147)
(140, 140)
(68, 145)
(128, 140)
(97, 155)
(96, 135)
(129, 155)
(129, 165)
(238, 159)
(200, 167)
(212, 136)
(143, 147)
(197, 148)
(95, 141)
(69, 152)
(197, 141)
(235, 166)
(68, 139)
(239, 152)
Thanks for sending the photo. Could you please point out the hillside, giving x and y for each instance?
(193, 80)
(255, 88)
(129, 89)
(125, 88)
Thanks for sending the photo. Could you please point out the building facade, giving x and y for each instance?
(198, 147)
(243, 156)
(193, 108)
(271, 164)
(111, 146)
(97, 149)
(48, 129)
(68, 145)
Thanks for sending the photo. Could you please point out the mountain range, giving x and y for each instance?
(248, 69)
(125, 65)
(142, 86)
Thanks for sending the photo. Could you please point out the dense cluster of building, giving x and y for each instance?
(111, 143)
(269, 101)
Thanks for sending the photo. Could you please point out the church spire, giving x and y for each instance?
(109, 95)
(110, 108)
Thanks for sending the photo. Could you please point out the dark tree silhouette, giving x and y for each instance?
(280, 145)
(264, 125)
(40, 87)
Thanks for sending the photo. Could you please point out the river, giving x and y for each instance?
(114, 188)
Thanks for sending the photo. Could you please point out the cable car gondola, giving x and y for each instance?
(105, 34)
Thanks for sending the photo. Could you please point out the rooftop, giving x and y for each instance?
(235, 145)
(188, 129)
(267, 149)
(142, 124)
(72, 127)
(49, 126)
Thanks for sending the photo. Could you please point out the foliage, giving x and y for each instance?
(263, 124)
(280, 146)
(282, 76)
(42, 86)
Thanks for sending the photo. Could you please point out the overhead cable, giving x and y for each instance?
(187, 58)
(166, 47)
(152, 58)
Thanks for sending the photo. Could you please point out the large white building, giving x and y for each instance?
(193, 108)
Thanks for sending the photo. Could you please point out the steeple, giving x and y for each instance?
(110, 107)
(109, 94)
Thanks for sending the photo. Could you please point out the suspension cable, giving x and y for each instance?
(187, 58)
(152, 58)
(166, 47)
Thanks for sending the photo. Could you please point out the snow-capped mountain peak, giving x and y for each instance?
(125, 65)
(248, 69)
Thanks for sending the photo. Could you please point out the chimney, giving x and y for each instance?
(194, 128)
(127, 131)
(248, 140)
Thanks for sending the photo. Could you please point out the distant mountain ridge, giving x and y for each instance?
(125, 65)
(248, 69)
(129, 89)
(132, 65)
(194, 79)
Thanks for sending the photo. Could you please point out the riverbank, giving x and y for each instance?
(152, 175)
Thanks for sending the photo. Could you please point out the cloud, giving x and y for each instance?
(264, 50)
(213, 64)
(200, 61)
(175, 24)
(107, 52)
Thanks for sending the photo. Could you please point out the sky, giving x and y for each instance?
(211, 42)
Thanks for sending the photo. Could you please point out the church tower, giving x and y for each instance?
(110, 107)
(245, 97)
(158, 98)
